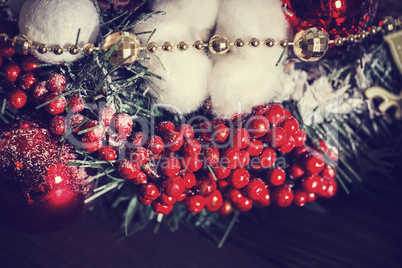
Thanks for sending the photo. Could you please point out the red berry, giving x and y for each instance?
(283, 196)
(73, 121)
(214, 201)
(328, 173)
(300, 198)
(6, 49)
(255, 147)
(57, 106)
(107, 153)
(211, 155)
(245, 204)
(205, 186)
(76, 103)
(314, 163)
(191, 164)
(11, 72)
(170, 166)
(128, 169)
(98, 131)
(27, 80)
(226, 208)
(234, 195)
(231, 158)
(195, 203)
(331, 190)
(275, 114)
(257, 126)
(143, 200)
(123, 124)
(189, 179)
(29, 63)
(39, 91)
(164, 127)
(155, 144)
(288, 114)
(295, 171)
(300, 138)
(291, 126)
(221, 133)
(267, 158)
(255, 189)
(139, 155)
(182, 197)
(167, 200)
(91, 146)
(221, 172)
(288, 146)
(239, 178)
(311, 197)
(16, 99)
(106, 115)
(58, 125)
(138, 139)
(265, 200)
(186, 131)
(311, 184)
(244, 158)
(276, 176)
(260, 109)
(56, 83)
(192, 147)
(149, 191)
(321, 147)
(161, 208)
(276, 136)
(140, 179)
(173, 186)
(173, 140)
(223, 185)
(240, 138)
(323, 187)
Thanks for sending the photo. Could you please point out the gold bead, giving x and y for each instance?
(167, 46)
(42, 48)
(239, 43)
(362, 35)
(219, 44)
(284, 43)
(22, 44)
(311, 44)
(351, 38)
(254, 42)
(89, 48)
(269, 42)
(126, 47)
(152, 47)
(73, 50)
(373, 30)
(3, 37)
(338, 41)
(58, 50)
(199, 45)
(183, 46)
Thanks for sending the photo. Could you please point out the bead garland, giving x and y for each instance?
(308, 45)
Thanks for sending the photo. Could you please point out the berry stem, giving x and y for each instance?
(229, 229)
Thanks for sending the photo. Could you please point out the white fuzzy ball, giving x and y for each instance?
(56, 22)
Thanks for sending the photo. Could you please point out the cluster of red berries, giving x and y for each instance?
(223, 164)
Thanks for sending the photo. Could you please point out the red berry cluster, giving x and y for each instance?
(221, 164)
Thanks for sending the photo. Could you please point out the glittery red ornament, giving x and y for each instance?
(337, 17)
(39, 192)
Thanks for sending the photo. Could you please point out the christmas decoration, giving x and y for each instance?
(390, 100)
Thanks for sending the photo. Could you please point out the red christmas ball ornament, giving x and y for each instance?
(337, 17)
(39, 192)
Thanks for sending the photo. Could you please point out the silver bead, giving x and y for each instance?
(311, 44)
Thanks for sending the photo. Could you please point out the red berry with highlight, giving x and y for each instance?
(128, 169)
(287, 146)
(245, 204)
(240, 138)
(195, 203)
(226, 208)
(155, 144)
(76, 103)
(107, 153)
(267, 158)
(98, 131)
(283, 196)
(40, 91)
(205, 186)
(167, 200)
(123, 124)
(275, 114)
(164, 127)
(314, 163)
(239, 178)
(276, 176)
(16, 99)
(295, 171)
(276, 136)
(300, 138)
(11, 72)
(255, 147)
(255, 189)
(27, 80)
(173, 140)
(161, 208)
(311, 184)
(186, 131)
(214, 201)
(257, 126)
(139, 139)
(300, 198)
(58, 125)
(170, 166)
(149, 191)
(191, 147)
(56, 83)
(91, 146)
(140, 179)
(211, 155)
(191, 164)
(291, 126)
(189, 179)
(265, 200)
(29, 63)
(231, 158)
(221, 172)
(57, 105)
(173, 186)
(139, 155)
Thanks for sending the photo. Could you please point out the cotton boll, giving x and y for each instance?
(184, 83)
(57, 23)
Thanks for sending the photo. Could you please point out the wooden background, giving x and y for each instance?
(361, 230)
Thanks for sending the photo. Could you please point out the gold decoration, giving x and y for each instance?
(239, 43)
(390, 100)
(182, 46)
(269, 42)
(22, 44)
(199, 45)
(42, 48)
(284, 43)
(394, 41)
(311, 44)
(89, 48)
(73, 49)
(219, 44)
(152, 47)
(351, 38)
(3, 37)
(388, 24)
(58, 50)
(167, 46)
(128, 47)
(338, 41)
(254, 42)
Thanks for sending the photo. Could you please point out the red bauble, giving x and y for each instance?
(39, 192)
(337, 17)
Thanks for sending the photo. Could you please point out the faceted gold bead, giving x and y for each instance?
(311, 44)
(128, 47)
(351, 38)
(199, 45)
(338, 41)
(362, 35)
(152, 47)
(42, 48)
(219, 44)
(22, 44)
(269, 42)
(183, 46)
(58, 50)
(3, 37)
(167, 46)
(89, 48)
(284, 43)
(254, 42)
(73, 50)
(239, 43)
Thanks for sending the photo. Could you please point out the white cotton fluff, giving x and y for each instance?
(184, 74)
(247, 76)
(56, 23)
